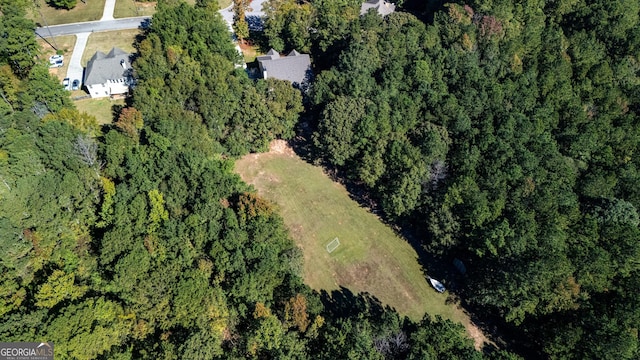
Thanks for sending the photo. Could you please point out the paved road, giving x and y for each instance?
(227, 16)
(253, 14)
(109, 6)
(76, 71)
(91, 26)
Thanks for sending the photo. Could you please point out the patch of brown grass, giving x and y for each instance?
(249, 51)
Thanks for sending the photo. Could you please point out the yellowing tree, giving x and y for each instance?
(130, 121)
(59, 286)
(158, 212)
(295, 312)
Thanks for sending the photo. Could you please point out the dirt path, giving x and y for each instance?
(280, 147)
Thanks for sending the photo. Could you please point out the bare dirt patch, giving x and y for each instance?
(479, 338)
(358, 274)
(280, 147)
(276, 148)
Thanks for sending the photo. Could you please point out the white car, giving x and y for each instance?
(54, 59)
(65, 83)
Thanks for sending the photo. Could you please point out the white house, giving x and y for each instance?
(109, 74)
(380, 6)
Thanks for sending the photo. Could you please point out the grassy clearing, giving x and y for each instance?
(90, 11)
(104, 41)
(371, 257)
(131, 8)
(102, 109)
(64, 43)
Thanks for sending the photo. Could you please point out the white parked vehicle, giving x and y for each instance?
(53, 59)
(437, 285)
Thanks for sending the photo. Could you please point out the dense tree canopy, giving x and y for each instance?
(501, 134)
(18, 46)
(199, 75)
(504, 134)
(136, 240)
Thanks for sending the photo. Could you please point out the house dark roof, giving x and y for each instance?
(382, 7)
(293, 67)
(111, 66)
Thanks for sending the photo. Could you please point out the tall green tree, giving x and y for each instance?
(240, 25)
(288, 24)
(18, 46)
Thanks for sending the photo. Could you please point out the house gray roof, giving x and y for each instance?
(273, 52)
(102, 67)
(293, 67)
(382, 7)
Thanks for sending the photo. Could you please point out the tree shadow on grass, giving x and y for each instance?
(301, 143)
(343, 303)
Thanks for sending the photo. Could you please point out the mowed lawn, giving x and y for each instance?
(46, 14)
(92, 10)
(101, 108)
(371, 257)
(131, 8)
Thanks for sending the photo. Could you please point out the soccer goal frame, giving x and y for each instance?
(331, 246)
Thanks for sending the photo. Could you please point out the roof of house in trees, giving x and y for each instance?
(294, 67)
(382, 7)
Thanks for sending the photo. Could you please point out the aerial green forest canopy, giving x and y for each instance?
(504, 134)
(135, 239)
